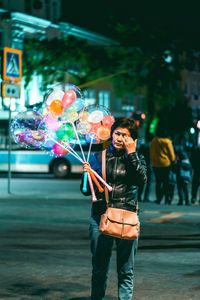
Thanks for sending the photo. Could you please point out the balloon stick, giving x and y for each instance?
(94, 198)
(96, 182)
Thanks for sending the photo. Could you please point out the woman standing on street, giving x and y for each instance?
(125, 171)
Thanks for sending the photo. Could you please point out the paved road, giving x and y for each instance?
(44, 252)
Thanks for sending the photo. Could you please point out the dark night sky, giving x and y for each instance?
(180, 16)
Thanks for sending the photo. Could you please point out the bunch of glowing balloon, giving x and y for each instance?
(62, 105)
(95, 126)
(24, 129)
(64, 101)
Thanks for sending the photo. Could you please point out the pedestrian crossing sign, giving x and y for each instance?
(12, 64)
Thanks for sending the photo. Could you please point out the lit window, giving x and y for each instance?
(90, 97)
(104, 98)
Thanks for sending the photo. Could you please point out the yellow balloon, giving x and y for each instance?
(83, 116)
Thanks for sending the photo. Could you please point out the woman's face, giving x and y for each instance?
(118, 137)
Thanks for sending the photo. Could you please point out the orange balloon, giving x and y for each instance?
(103, 133)
(55, 108)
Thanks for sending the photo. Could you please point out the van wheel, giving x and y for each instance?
(61, 168)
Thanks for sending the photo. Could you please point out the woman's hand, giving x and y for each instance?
(86, 167)
(129, 144)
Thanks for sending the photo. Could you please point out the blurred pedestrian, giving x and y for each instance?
(184, 173)
(172, 181)
(145, 190)
(195, 162)
(162, 156)
(125, 171)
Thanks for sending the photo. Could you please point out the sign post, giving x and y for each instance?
(12, 73)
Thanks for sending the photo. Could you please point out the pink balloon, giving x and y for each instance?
(52, 124)
(68, 98)
(59, 150)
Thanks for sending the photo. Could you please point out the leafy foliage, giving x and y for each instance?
(147, 60)
(154, 60)
(58, 58)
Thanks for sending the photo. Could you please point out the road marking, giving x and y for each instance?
(164, 218)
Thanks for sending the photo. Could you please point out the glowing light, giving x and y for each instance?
(192, 130)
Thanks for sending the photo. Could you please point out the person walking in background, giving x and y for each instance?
(172, 181)
(195, 162)
(125, 171)
(184, 173)
(162, 156)
(145, 190)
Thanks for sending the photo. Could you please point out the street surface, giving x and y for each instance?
(45, 251)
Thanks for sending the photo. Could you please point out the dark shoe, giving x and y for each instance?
(146, 200)
(193, 200)
(167, 202)
(180, 203)
(157, 201)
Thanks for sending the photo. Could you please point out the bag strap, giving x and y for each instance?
(104, 174)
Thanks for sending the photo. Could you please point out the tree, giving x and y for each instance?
(154, 60)
(55, 59)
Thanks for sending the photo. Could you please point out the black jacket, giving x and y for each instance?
(124, 173)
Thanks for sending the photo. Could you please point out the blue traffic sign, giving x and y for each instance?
(12, 69)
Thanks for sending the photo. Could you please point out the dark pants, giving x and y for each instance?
(146, 188)
(162, 183)
(101, 247)
(183, 191)
(195, 183)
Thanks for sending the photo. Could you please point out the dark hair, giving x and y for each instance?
(161, 130)
(127, 123)
(183, 155)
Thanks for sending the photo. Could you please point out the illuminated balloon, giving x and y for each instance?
(103, 133)
(55, 95)
(52, 124)
(78, 104)
(108, 120)
(68, 98)
(73, 116)
(25, 129)
(58, 149)
(65, 132)
(83, 116)
(95, 126)
(95, 116)
(48, 144)
(55, 108)
(69, 114)
(92, 138)
(62, 105)
(83, 128)
(38, 135)
(100, 120)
